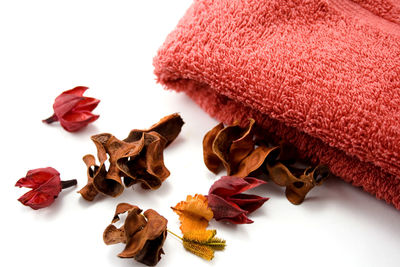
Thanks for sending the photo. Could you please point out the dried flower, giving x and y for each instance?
(136, 159)
(45, 184)
(227, 202)
(73, 110)
(202, 243)
(227, 146)
(297, 188)
(194, 213)
(144, 235)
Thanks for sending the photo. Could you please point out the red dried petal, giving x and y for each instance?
(247, 202)
(73, 121)
(77, 91)
(223, 209)
(231, 185)
(87, 104)
(227, 202)
(36, 200)
(35, 178)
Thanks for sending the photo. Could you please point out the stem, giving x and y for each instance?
(68, 183)
(51, 119)
(215, 244)
(175, 234)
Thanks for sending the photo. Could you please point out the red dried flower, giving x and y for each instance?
(227, 202)
(45, 184)
(73, 110)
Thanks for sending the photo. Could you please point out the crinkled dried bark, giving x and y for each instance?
(108, 181)
(148, 167)
(144, 235)
(136, 159)
(297, 187)
(230, 145)
(89, 192)
(168, 127)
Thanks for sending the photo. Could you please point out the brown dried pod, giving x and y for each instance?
(137, 158)
(168, 127)
(230, 145)
(148, 167)
(297, 188)
(89, 191)
(144, 235)
(111, 184)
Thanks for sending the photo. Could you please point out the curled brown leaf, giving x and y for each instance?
(228, 146)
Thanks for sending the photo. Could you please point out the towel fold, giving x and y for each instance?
(323, 75)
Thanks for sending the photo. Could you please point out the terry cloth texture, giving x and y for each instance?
(322, 75)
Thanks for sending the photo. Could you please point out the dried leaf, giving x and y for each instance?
(297, 188)
(194, 213)
(144, 235)
(242, 146)
(227, 146)
(232, 144)
(211, 160)
(227, 202)
(255, 160)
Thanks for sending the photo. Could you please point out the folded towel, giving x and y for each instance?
(323, 75)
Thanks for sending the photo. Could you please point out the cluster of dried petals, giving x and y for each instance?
(194, 213)
(73, 110)
(144, 234)
(45, 184)
(228, 203)
(234, 148)
(136, 159)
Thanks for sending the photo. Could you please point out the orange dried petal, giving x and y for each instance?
(194, 213)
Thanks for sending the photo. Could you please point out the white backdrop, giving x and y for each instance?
(47, 47)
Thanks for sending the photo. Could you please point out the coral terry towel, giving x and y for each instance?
(321, 74)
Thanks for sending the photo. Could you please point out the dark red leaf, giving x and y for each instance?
(227, 202)
(248, 202)
(231, 185)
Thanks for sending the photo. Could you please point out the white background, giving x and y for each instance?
(47, 47)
